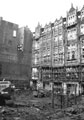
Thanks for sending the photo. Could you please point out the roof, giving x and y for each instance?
(82, 8)
(56, 20)
(71, 9)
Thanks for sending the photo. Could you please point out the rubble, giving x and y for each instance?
(27, 107)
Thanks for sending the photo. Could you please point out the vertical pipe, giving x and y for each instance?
(75, 95)
(52, 93)
(52, 69)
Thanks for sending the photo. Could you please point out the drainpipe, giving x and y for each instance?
(52, 70)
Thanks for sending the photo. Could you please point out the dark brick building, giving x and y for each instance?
(15, 56)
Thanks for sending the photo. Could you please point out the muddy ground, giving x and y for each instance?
(28, 107)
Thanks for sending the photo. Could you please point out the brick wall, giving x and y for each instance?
(15, 65)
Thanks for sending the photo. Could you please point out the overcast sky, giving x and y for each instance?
(30, 12)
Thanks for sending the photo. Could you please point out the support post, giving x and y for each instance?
(52, 94)
(75, 94)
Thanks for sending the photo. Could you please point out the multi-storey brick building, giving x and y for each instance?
(36, 54)
(72, 55)
(47, 38)
(58, 50)
(62, 51)
(81, 39)
(15, 52)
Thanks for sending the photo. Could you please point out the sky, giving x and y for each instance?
(30, 12)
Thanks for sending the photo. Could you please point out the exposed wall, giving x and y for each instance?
(15, 64)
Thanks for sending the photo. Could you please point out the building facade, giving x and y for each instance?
(72, 48)
(61, 51)
(15, 58)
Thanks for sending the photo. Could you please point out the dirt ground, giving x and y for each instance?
(28, 107)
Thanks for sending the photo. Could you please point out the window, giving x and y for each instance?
(48, 58)
(35, 61)
(74, 30)
(83, 52)
(73, 54)
(68, 56)
(61, 57)
(69, 18)
(55, 60)
(60, 37)
(82, 28)
(68, 31)
(36, 45)
(14, 33)
(56, 39)
(82, 42)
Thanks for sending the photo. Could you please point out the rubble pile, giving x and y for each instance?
(22, 113)
(27, 107)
